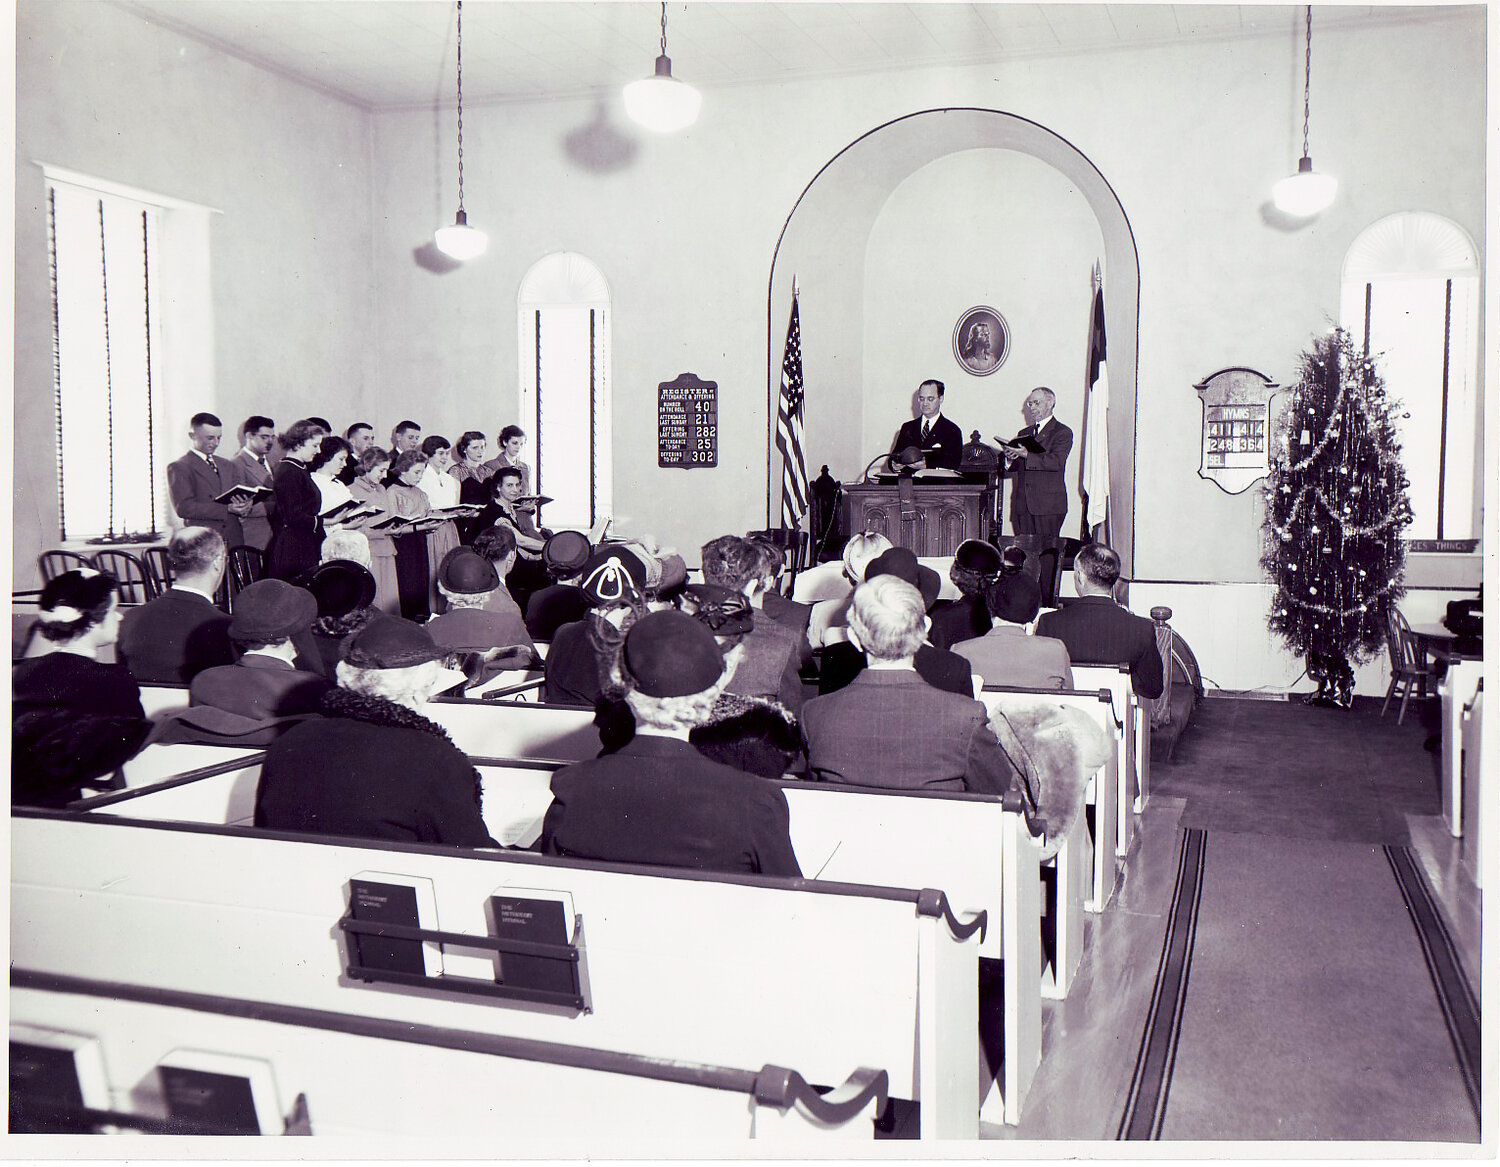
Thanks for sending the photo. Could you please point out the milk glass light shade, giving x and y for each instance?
(1306, 192)
(460, 241)
(661, 102)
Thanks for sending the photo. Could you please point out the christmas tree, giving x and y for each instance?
(1336, 508)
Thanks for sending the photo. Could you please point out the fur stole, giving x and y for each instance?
(1057, 748)
(340, 702)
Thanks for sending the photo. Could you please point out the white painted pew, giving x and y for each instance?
(361, 1076)
(1136, 717)
(721, 970)
(508, 729)
(159, 762)
(158, 700)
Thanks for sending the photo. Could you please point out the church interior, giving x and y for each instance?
(883, 170)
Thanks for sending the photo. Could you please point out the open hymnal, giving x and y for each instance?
(241, 491)
(1022, 442)
(349, 509)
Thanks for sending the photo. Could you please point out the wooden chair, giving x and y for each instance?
(53, 563)
(1410, 667)
(159, 567)
(245, 566)
(135, 581)
(794, 545)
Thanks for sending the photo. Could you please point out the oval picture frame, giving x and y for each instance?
(981, 341)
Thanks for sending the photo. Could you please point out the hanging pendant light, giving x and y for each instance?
(1306, 192)
(460, 241)
(661, 102)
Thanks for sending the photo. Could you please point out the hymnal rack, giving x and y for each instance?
(575, 1000)
(53, 1116)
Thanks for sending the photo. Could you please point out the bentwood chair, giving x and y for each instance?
(245, 566)
(53, 563)
(134, 580)
(159, 567)
(1410, 668)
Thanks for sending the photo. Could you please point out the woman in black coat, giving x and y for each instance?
(296, 525)
(74, 718)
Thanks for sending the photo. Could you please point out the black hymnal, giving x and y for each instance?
(538, 917)
(235, 493)
(1027, 442)
(350, 508)
(54, 1071)
(409, 901)
(391, 522)
(225, 1093)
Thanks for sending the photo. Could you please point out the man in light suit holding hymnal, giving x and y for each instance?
(198, 479)
(254, 469)
(1034, 460)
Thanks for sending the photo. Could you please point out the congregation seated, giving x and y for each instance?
(769, 599)
(1096, 630)
(373, 766)
(829, 616)
(844, 660)
(976, 565)
(345, 593)
(657, 799)
(468, 581)
(498, 546)
(174, 637)
(74, 718)
(888, 727)
(772, 651)
(1006, 654)
(562, 601)
(614, 582)
(264, 683)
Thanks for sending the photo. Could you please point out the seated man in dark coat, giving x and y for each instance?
(889, 727)
(1096, 630)
(658, 800)
(264, 683)
(373, 766)
(176, 636)
(940, 668)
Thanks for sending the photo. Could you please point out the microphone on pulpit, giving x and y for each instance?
(905, 462)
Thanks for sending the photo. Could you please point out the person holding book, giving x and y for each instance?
(253, 469)
(658, 800)
(1034, 462)
(510, 507)
(326, 468)
(442, 490)
(374, 767)
(74, 717)
(414, 562)
(473, 480)
(198, 479)
(511, 440)
(369, 488)
(297, 522)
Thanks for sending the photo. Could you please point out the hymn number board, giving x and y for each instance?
(687, 422)
(1236, 448)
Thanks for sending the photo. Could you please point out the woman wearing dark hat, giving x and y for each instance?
(74, 718)
(578, 662)
(976, 565)
(1007, 654)
(264, 683)
(374, 767)
(345, 594)
(296, 523)
(658, 800)
(467, 581)
(562, 601)
(769, 658)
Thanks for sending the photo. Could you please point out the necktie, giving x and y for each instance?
(264, 465)
(926, 431)
(212, 465)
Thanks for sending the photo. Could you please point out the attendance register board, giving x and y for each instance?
(687, 423)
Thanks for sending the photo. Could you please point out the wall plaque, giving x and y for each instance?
(687, 422)
(981, 341)
(1236, 449)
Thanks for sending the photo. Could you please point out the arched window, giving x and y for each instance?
(1411, 294)
(565, 387)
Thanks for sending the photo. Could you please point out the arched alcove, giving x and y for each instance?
(824, 243)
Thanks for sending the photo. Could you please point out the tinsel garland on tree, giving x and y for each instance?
(1336, 507)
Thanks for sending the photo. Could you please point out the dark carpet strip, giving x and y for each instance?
(1454, 993)
(1146, 1104)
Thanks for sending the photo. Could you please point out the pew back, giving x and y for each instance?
(1136, 719)
(506, 729)
(728, 970)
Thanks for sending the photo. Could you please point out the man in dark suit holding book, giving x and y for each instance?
(940, 441)
(1034, 462)
(198, 478)
(254, 469)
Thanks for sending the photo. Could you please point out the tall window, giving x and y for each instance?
(106, 344)
(1411, 294)
(565, 399)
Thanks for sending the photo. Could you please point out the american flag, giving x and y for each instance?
(789, 432)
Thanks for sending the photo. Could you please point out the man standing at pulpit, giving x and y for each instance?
(1039, 499)
(941, 442)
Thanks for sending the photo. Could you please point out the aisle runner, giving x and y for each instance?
(1304, 993)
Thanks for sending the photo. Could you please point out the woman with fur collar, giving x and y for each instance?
(374, 767)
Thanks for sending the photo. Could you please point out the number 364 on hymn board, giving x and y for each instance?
(687, 422)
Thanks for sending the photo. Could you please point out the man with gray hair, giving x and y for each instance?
(888, 727)
(1039, 499)
(180, 633)
(1096, 630)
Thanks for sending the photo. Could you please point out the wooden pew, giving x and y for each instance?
(538, 730)
(973, 846)
(367, 1076)
(1136, 718)
(719, 970)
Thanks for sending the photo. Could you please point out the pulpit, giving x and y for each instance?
(933, 520)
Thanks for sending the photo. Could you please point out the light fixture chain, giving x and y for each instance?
(1307, 84)
(664, 27)
(460, 106)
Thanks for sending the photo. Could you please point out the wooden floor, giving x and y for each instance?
(1091, 1040)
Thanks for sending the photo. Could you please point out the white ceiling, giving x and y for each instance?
(397, 53)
